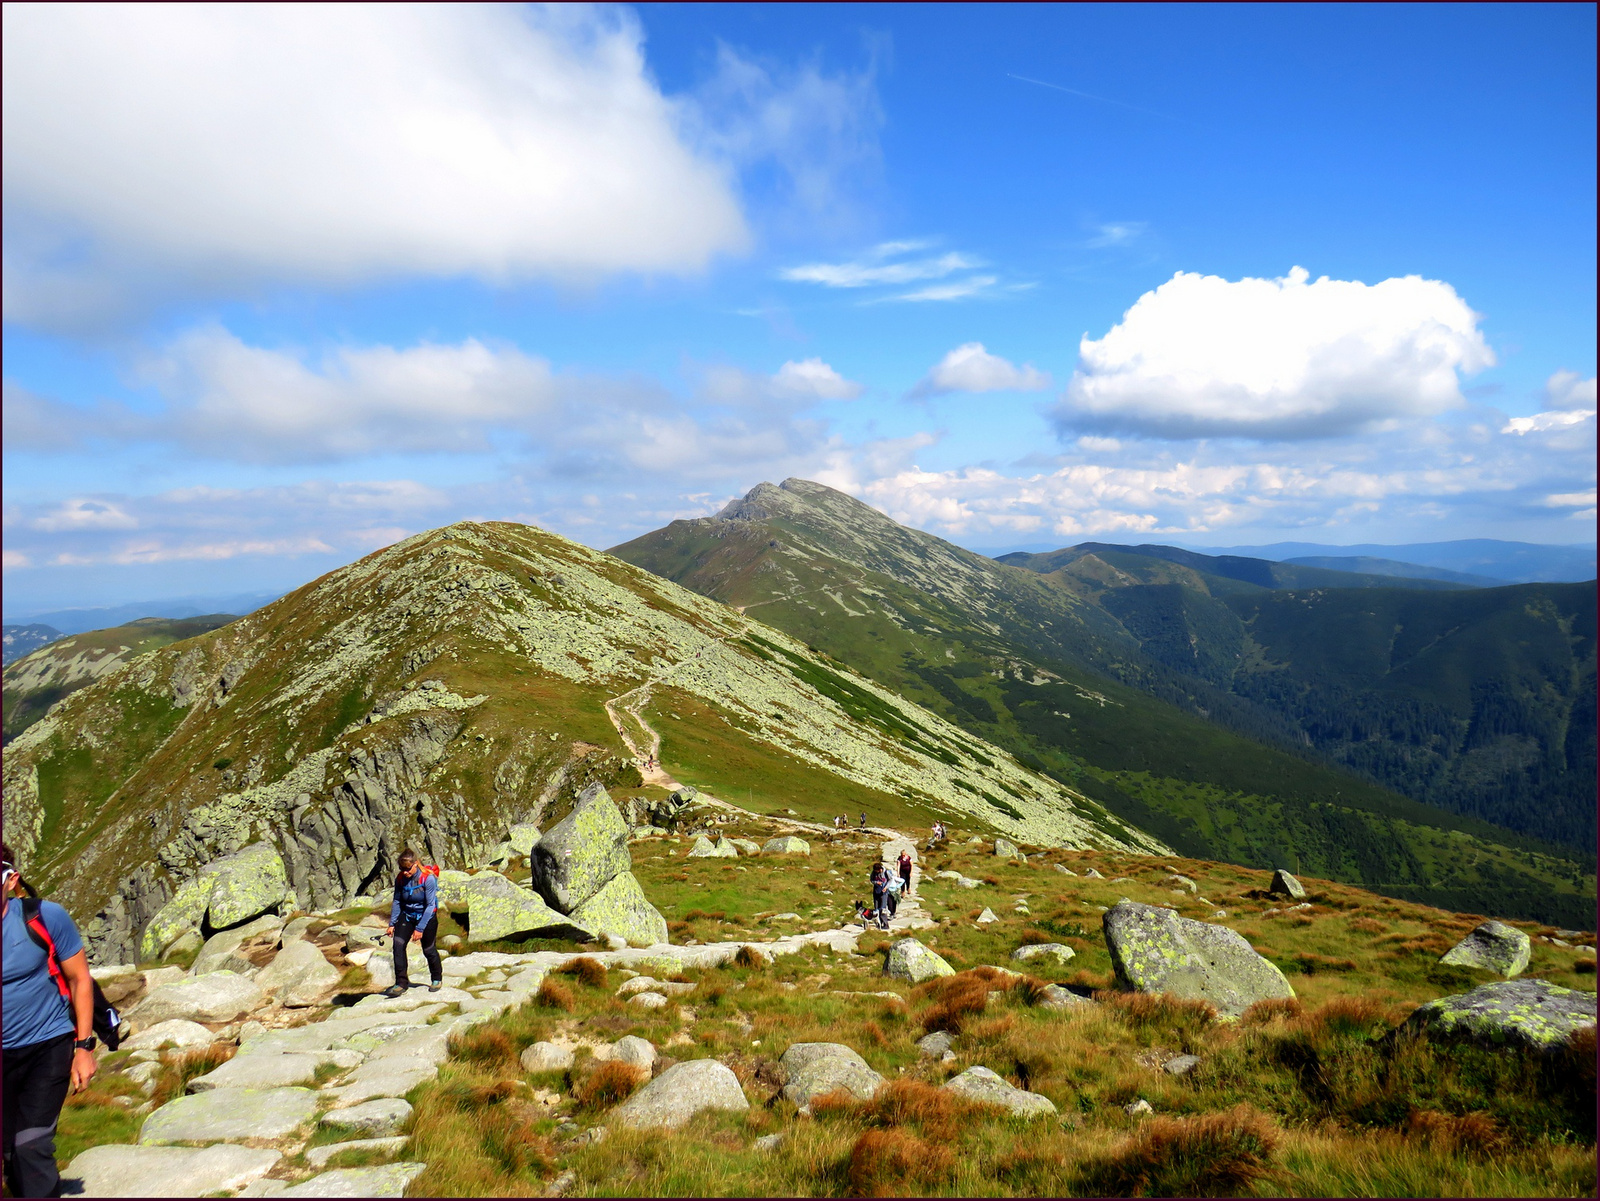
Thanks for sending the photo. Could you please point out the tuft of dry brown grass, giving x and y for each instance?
(955, 999)
(1366, 925)
(1584, 967)
(486, 1045)
(1152, 1011)
(553, 994)
(1273, 1009)
(590, 971)
(1474, 1134)
(177, 1073)
(892, 1163)
(1217, 1155)
(748, 957)
(611, 1082)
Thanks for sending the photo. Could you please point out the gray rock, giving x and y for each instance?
(680, 1092)
(1053, 951)
(1064, 870)
(120, 1170)
(453, 889)
(947, 875)
(980, 1084)
(987, 916)
(815, 1069)
(1138, 1109)
(936, 1045)
(546, 1057)
(176, 1032)
(219, 951)
(1531, 1014)
(703, 848)
(1154, 950)
(1055, 997)
(621, 908)
(635, 1051)
(746, 846)
(247, 883)
(370, 1119)
(500, 909)
(298, 975)
(1004, 848)
(1494, 947)
(523, 837)
(230, 1114)
(214, 997)
(582, 852)
(189, 942)
(1092, 874)
(648, 1000)
(788, 844)
(318, 1156)
(768, 1142)
(260, 1071)
(1181, 1065)
(1285, 885)
(968, 882)
(1176, 881)
(380, 968)
(388, 1077)
(389, 1180)
(909, 960)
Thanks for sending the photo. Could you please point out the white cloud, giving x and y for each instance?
(973, 285)
(1276, 358)
(1550, 420)
(861, 274)
(227, 145)
(1117, 233)
(82, 513)
(1569, 390)
(971, 368)
(812, 379)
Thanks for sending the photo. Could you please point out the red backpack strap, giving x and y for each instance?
(40, 933)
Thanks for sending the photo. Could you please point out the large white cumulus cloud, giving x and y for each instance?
(338, 144)
(1276, 358)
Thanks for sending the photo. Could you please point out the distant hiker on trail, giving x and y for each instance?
(863, 821)
(905, 871)
(48, 1033)
(414, 917)
(880, 877)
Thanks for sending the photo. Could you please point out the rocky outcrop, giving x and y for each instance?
(1534, 1015)
(1154, 950)
(580, 854)
(1492, 947)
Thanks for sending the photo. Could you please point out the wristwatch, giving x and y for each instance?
(85, 1044)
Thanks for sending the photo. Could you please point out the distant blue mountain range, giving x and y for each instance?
(77, 621)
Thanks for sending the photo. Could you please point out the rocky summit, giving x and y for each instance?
(442, 693)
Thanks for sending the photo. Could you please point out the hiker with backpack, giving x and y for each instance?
(880, 879)
(414, 917)
(47, 1009)
(905, 872)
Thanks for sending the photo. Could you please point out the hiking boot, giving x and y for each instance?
(435, 985)
(396, 990)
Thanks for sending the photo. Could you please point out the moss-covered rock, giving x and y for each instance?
(1533, 1014)
(910, 960)
(789, 844)
(497, 908)
(622, 908)
(582, 852)
(247, 884)
(177, 917)
(1494, 947)
(1154, 950)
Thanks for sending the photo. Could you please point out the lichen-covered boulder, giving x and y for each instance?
(1532, 1014)
(1005, 848)
(621, 908)
(214, 997)
(984, 1086)
(1494, 947)
(680, 1092)
(1285, 885)
(726, 849)
(183, 913)
(523, 837)
(816, 1069)
(582, 852)
(909, 960)
(1050, 952)
(703, 848)
(453, 889)
(788, 844)
(1154, 950)
(747, 846)
(248, 882)
(497, 908)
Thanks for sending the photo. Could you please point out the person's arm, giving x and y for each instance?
(430, 893)
(394, 910)
(81, 984)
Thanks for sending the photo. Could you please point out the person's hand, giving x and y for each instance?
(83, 1069)
(389, 931)
(416, 936)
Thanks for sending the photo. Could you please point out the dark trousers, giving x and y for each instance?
(36, 1081)
(905, 874)
(878, 907)
(403, 929)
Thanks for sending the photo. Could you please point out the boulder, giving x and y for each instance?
(909, 960)
(981, 1085)
(221, 950)
(1494, 947)
(1285, 885)
(1004, 848)
(1051, 952)
(621, 908)
(120, 1170)
(747, 846)
(582, 852)
(635, 1051)
(248, 882)
(546, 1057)
(453, 889)
(1065, 871)
(947, 875)
(1176, 881)
(703, 848)
(215, 997)
(987, 916)
(936, 1045)
(523, 837)
(815, 1069)
(390, 1180)
(230, 1114)
(176, 1032)
(680, 1092)
(1092, 874)
(1181, 1065)
(648, 1000)
(726, 849)
(298, 976)
(497, 908)
(1154, 950)
(182, 914)
(788, 844)
(1053, 996)
(370, 1119)
(1532, 1014)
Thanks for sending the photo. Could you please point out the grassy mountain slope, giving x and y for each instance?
(1371, 565)
(41, 678)
(1039, 665)
(446, 687)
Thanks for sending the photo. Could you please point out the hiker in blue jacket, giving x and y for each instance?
(48, 1043)
(414, 917)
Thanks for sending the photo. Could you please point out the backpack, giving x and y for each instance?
(424, 870)
(107, 1021)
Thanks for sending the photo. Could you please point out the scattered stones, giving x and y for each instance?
(680, 1092)
(546, 1057)
(318, 1156)
(1532, 1014)
(1004, 848)
(788, 844)
(175, 1032)
(1494, 947)
(1059, 952)
(371, 1119)
(1155, 950)
(1138, 1109)
(982, 1085)
(230, 1113)
(215, 997)
(1285, 885)
(120, 1170)
(1181, 1065)
(909, 960)
(815, 1069)
(582, 852)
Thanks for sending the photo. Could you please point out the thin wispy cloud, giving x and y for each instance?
(1117, 233)
(1056, 87)
(977, 285)
(862, 274)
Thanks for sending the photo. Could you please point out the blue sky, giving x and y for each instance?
(284, 285)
